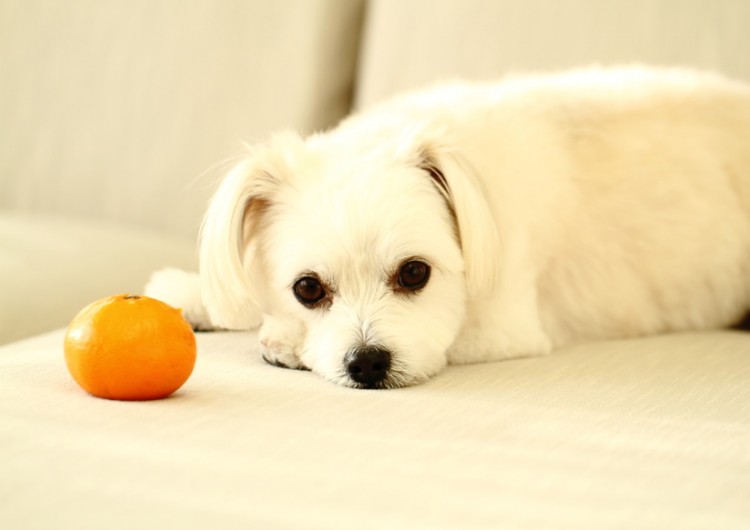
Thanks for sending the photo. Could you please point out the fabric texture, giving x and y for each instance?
(650, 433)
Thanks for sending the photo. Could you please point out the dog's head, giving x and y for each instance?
(373, 249)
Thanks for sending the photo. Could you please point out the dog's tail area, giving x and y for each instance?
(181, 289)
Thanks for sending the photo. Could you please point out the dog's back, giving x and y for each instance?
(648, 227)
(626, 192)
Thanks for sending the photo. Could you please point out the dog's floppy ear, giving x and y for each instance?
(476, 229)
(228, 245)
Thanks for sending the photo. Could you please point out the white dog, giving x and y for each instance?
(475, 223)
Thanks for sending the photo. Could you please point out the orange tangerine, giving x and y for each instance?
(129, 347)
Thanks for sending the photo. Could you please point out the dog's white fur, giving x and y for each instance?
(553, 209)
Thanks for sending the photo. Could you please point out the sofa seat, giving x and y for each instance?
(651, 433)
(51, 267)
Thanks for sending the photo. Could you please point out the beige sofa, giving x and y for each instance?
(118, 119)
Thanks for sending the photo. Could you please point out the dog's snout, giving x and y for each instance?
(368, 365)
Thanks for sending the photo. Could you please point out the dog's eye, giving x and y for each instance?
(413, 275)
(308, 291)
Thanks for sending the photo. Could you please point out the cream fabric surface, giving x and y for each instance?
(51, 267)
(420, 42)
(125, 110)
(650, 433)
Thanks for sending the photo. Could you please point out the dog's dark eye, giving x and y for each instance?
(308, 291)
(413, 275)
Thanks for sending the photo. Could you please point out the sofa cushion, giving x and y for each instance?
(650, 433)
(50, 267)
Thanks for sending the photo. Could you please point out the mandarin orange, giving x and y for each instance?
(130, 348)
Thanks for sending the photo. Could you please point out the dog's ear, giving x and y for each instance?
(476, 229)
(228, 242)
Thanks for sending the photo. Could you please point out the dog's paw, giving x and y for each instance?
(180, 289)
(281, 341)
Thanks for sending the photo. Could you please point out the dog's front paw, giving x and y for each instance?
(281, 341)
(181, 289)
(278, 354)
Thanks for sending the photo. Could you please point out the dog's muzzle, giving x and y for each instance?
(368, 365)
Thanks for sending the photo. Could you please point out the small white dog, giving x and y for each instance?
(475, 223)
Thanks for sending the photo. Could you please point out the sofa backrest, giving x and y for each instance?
(413, 43)
(118, 110)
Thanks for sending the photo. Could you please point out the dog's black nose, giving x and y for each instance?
(368, 365)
